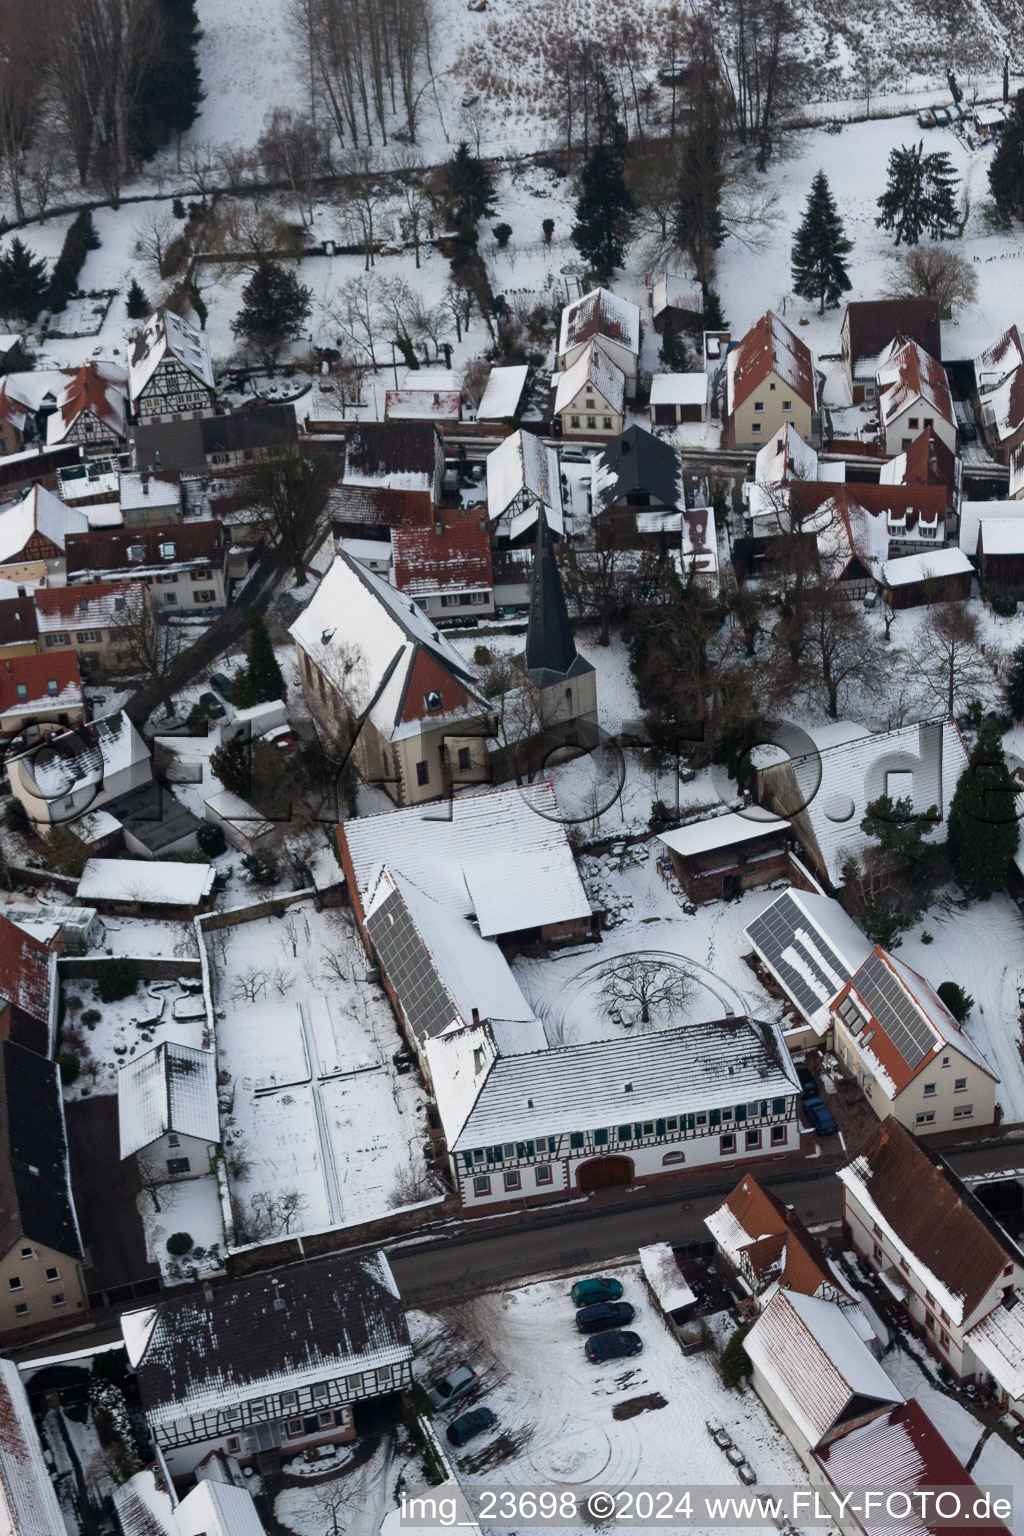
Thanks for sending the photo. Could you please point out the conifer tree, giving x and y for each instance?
(468, 191)
(982, 831)
(264, 674)
(820, 249)
(136, 304)
(274, 306)
(601, 231)
(1013, 688)
(23, 282)
(170, 93)
(1006, 173)
(920, 196)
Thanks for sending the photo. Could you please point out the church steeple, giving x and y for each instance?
(550, 647)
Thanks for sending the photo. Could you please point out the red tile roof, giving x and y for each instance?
(770, 347)
(898, 1453)
(88, 390)
(24, 970)
(456, 559)
(929, 462)
(778, 1235)
(65, 603)
(17, 620)
(36, 673)
(933, 1214)
(919, 376)
(106, 549)
(378, 506)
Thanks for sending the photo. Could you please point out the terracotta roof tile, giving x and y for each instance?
(770, 347)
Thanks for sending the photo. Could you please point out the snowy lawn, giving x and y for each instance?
(125, 1029)
(565, 1423)
(192, 1206)
(312, 1103)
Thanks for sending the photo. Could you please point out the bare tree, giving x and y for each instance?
(292, 149)
(355, 313)
(950, 658)
(840, 649)
(267, 1214)
(638, 986)
(154, 1180)
(367, 192)
(200, 164)
(413, 195)
(146, 645)
(412, 1185)
(288, 492)
(256, 235)
(22, 70)
(934, 272)
(250, 985)
(154, 236)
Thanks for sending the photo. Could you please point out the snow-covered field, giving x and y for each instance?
(314, 1104)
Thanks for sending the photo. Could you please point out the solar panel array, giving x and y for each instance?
(909, 1032)
(776, 931)
(409, 968)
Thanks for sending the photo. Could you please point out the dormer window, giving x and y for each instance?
(433, 703)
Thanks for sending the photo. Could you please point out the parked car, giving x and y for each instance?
(808, 1087)
(213, 706)
(943, 116)
(968, 431)
(585, 1292)
(282, 737)
(926, 119)
(455, 1384)
(467, 1425)
(222, 683)
(604, 1314)
(617, 1345)
(820, 1117)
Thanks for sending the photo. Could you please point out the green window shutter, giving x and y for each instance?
(715, 1117)
(689, 1122)
(600, 1138)
(625, 1133)
(778, 1106)
(576, 1139)
(659, 1127)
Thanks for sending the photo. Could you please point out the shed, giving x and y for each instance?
(666, 1281)
(678, 397)
(242, 824)
(133, 887)
(1001, 550)
(937, 576)
(719, 857)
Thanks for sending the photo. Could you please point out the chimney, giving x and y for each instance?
(145, 485)
(156, 458)
(476, 1015)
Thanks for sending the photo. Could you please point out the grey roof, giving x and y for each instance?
(640, 462)
(153, 816)
(169, 445)
(551, 654)
(28, 1503)
(35, 1182)
(720, 1063)
(274, 1332)
(170, 1088)
(264, 426)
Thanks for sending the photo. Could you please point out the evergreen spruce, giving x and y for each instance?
(982, 831)
(820, 249)
(601, 231)
(920, 196)
(274, 306)
(1006, 173)
(170, 92)
(136, 304)
(1013, 688)
(265, 678)
(468, 191)
(23, 282)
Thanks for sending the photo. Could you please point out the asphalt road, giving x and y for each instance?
(568, 1238)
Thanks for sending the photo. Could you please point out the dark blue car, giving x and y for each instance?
(604, 1314)
(820, 1117)
(617, 1345)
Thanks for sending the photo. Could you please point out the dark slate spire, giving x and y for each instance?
(550, 647)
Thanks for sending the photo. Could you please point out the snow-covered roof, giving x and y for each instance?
(501, 856)
(679, 389)
(784, 457)
(901, 1452)
(1001, 536)
(275, 1333)
(722, 831)
(972, 513)
(928, 565)
(712, 1065)
(902, 1023)
(592, 370)
(37, 511)
(214, 1508)
(815, 1362)
(98, 389)
(907, 373)
(524, 470)
(849, 767)
(170, 1088)
(144, 1507)
(149, 488)
(665, 1278)
(421, 402)
(998, 1342)
(86, 605)
(999, 359)
(811, 946)
(151, 882)
(472, 978)
(367, 638)
(28, 1503)
(600, 313)
(932, 1220)
(167, 333)
(769, 347)
(85, 757)
(503, 392)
